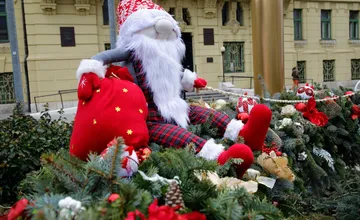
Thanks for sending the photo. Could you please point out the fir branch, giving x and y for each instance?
(115, 155)
(50, 160)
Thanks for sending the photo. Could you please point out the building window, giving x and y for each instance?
(225, 13)
(326, 24)
(67, 35)
(107, 46)
(354, 25)
(4, 37)
(301, 67)
(105, 11)
(329, 70)
(298, 24)
(239, 13)
(209, 38)
(186, 16)
(234, 57)
(355, 69)
(7, 94)
(172, 11)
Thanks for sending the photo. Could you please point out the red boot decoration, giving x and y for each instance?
(255, 130)
(240, 151)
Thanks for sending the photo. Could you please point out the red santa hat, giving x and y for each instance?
(136, 15)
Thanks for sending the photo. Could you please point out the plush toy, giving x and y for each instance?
(305, 92)
(150, 46)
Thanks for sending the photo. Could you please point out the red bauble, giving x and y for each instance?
(301, 107)
(117, 109)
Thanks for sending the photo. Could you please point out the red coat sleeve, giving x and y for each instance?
(121, 72)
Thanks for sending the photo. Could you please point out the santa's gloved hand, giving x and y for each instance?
(87, 85)
(190, 80)
(200, 83)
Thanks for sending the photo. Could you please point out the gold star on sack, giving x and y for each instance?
(117, 109)
(94, 122)
(141, 111)
(129, 132)
(98, 90)
(125, 90)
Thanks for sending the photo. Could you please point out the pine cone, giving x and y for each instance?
(174, 196)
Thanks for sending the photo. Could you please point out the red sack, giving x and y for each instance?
(117, 109)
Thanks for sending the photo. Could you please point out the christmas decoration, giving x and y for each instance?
(302, 156)
(18, 210)
(154, 54)
(276, 165)
(355, 112)
(322, 158)
(288, 110)
(164, 212)
(69, 208)
(113, 197)
(116, 108)
(313, 115)
(245, 105)
(173, 196)
(305, 92)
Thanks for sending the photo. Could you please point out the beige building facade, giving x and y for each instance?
(321, 39)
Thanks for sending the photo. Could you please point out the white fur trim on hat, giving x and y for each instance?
(233, 129)
(188, 80)
(140, 20)
(91, 66)
(211, 150)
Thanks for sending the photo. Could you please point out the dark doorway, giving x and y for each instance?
(188, 61)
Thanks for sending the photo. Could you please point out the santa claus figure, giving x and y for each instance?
(150, 47)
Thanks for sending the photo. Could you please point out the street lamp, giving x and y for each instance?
(222, 49)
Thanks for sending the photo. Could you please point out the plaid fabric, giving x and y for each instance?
(200, 115)
(169, 135)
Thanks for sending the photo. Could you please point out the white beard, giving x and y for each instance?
(161, 62)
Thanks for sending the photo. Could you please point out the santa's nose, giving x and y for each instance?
(163, 27)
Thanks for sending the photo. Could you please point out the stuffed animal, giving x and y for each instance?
(150, 46)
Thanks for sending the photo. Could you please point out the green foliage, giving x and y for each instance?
(89, 182)
(22, 141)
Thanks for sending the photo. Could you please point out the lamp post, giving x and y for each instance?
(222, 49)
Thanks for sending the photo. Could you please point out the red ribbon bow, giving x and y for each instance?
(311, 113)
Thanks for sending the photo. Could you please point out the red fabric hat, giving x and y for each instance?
(127, 7)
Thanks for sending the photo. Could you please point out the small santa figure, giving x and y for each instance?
(150, 46)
